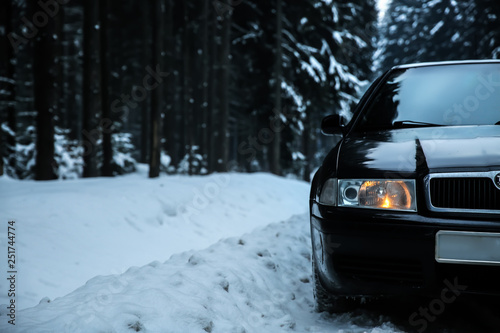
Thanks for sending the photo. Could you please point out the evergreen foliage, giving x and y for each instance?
(421, 31)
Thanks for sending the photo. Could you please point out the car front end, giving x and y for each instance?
(412, 206)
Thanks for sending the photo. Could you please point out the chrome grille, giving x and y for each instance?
(471, 192)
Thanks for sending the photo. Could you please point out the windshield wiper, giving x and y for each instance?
(411, 123)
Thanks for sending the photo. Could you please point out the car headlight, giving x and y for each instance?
(379, 194)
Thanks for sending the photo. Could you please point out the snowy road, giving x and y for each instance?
(259, 282)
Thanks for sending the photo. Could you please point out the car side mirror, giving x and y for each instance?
(333, 124)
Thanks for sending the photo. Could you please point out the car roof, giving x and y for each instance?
(441, 63)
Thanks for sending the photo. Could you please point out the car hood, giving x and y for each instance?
(406, 153)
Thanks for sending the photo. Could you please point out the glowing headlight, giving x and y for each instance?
(378, 194)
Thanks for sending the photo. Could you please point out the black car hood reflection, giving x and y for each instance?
(409, 152)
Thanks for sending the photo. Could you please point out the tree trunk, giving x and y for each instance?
(223, 148)
(1, 149)
(7, 89)
(197, 123)
(212, 100)
(46, 97)
(146, 110)
(90, 131)
(306, 137)
(187, 86)
(106, 121)
(169, 128)
(71, 83)
(275, 117)
(205, 70)
(156, 93)
(61, 114)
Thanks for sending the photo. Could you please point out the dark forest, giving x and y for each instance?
(91, 88)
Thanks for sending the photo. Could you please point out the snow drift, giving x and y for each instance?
(259, 282)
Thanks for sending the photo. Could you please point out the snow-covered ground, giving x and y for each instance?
(236, 246)
(223, 253)
(67, 232)
(258, 282)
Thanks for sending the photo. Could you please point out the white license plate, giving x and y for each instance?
(461, 247)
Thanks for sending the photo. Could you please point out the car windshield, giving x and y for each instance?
(449, 95)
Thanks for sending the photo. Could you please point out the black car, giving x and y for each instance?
(408, 201)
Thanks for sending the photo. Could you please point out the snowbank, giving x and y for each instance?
(67, 232)
(259, 282)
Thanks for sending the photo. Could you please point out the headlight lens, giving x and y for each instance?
(378, 194)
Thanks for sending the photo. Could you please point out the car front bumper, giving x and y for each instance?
(369, 253)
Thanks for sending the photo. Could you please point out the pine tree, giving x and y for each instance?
(328, 47)
(487, 29)
(361, 32)
(431, 31)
